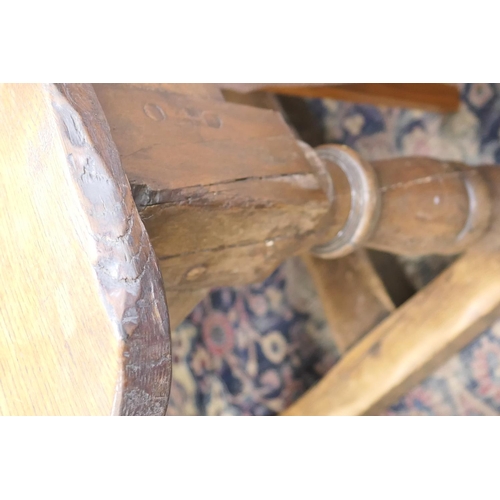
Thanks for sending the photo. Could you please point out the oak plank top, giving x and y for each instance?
(83, 320)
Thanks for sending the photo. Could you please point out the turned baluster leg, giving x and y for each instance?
(443, 317)
(407, 206)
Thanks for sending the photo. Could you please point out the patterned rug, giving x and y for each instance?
(253, 350)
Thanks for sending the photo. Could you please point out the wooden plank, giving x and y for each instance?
(353, 296)
(169, 141)
(83, 316)
(438, 97)
(412, 342)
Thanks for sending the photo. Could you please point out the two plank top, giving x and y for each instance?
(83, 319)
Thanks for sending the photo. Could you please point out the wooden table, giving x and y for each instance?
(96, 177)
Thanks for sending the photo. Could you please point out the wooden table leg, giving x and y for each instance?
(420, 335)
(413, 341)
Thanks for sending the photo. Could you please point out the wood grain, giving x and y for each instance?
(170, 141)
(83, 317)
(225, 191)
(429, 206)
(259, 221)
(408, 206)
(420, 335)
(413, 341)
(217, 182)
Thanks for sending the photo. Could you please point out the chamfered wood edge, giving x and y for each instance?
(126, 266)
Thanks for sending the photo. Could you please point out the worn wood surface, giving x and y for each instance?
(170, 141)
(226, 193)
(412, 342)
(407, 206)
(420, 335)
(83, 315)
(438, 97)
(220, 184)
(429, 206)
(224, 190)
(353, 296)
(237, 236)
